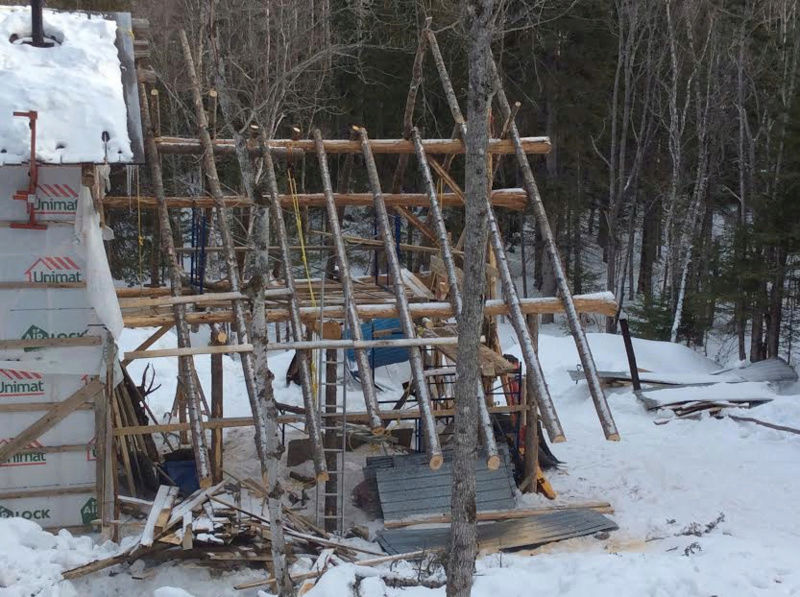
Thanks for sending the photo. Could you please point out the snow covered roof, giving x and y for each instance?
(75, 86)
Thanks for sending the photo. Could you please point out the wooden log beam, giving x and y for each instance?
(198, 299)
(602, 303)
(508, 198)
(361, 418)
(187, 351)
(187, 146)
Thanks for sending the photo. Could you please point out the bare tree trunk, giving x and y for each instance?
(463, 535)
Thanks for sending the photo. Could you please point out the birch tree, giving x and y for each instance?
(461, 559)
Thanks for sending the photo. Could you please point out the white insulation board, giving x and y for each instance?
(57, 193)
(52, 511)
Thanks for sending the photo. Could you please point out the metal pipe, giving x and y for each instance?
(37, 25)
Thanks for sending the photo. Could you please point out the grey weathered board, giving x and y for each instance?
(408, 487)
(508, 534)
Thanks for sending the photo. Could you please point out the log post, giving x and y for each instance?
(486, 429)
(185, 364)
(532, 365)
(304, 357)
(432, 447)
(255, 367)
(581, 342)
(626, 337)
(362, 360)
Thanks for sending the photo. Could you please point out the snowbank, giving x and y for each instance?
(75, 86)
(31, 560)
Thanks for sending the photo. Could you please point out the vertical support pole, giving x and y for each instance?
(104, 445)
(263, 426)
(218, 338)
(185, 364)
(303, 356)
(531, 437)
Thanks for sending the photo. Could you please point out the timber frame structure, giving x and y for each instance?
(322, 314)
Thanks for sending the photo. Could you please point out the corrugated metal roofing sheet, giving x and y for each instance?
(408, 487)
(508, 534)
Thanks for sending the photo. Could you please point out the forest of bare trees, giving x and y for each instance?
(674, 164)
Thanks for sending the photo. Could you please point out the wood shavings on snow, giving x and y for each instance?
(75, 86)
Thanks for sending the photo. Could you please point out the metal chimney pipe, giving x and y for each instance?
(37, 25)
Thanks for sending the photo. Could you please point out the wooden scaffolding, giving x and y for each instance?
(321, 314)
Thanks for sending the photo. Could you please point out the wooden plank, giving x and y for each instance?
(353, 417)
(602, 507)
(27, 407)
(370, 562)
(136, 502)
(49, 419)
(195, 500)
(765, 424)
(158, 334)
(186, 542)
(178, 145)
(198, 299)
(51, 343)
(183, 352)
(162, 503)
(515, 199)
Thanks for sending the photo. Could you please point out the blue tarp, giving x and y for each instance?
(382, 329)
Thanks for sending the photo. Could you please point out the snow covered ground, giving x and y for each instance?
(75, 86)
(705, 507)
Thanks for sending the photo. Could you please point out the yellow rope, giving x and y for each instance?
(299, 221)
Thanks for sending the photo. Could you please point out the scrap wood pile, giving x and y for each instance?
(692, 409)
(223, 526)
